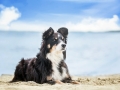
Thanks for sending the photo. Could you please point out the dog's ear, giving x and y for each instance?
(47, 33)
(63, 31)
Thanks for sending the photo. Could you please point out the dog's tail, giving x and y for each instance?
(19, 72)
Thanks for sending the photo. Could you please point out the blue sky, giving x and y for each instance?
(76, 15)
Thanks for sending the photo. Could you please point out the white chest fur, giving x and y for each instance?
(56, 58)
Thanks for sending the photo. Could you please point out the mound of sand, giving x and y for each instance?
(110, 82)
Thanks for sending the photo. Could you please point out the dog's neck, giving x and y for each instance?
(55, 57)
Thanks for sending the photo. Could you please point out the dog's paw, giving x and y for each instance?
(51, 82)
(75, 82)
(59, 82)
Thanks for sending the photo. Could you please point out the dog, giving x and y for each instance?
(49, 64)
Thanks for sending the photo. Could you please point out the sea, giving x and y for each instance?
(88, 53)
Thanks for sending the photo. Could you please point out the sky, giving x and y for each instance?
(76, 15)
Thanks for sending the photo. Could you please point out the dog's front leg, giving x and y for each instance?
(69, 80)
(51, 81)
(59, 82)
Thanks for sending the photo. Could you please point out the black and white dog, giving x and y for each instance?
(49, 65)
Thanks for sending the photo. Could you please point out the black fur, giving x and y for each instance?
(37, 69)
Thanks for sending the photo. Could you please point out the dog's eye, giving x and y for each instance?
(55, 39)
(62, 38)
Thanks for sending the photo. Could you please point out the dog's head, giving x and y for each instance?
(55, 41)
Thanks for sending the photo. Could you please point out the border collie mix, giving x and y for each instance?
(49, 65)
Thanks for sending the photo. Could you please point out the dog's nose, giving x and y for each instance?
(63, 45)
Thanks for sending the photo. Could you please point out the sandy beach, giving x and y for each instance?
(108, 82)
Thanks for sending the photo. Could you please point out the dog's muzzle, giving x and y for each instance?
(63, 46)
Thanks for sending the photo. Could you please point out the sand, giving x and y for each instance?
(109, 82)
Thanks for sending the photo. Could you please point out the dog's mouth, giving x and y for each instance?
(63, 49)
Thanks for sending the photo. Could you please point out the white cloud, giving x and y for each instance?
(27, 26)
(8, 15)
(84, 25)
(9, 21)
(96, 25)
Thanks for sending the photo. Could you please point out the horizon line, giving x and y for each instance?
(69, 31)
